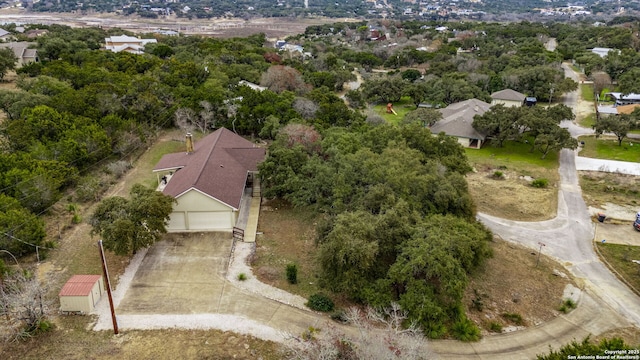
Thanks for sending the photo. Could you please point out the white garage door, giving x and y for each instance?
(207, 220)
(176, 221)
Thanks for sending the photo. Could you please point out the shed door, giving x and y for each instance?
(176, 221)
(206, 220)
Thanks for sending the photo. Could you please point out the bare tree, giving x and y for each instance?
(279, 78)
(305, 107)
(24, 305)
(378, 335)
(184, 119)
(207, 117)
(601, 81)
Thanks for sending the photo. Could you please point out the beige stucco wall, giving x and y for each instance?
(194, 205)
(194, 200)
(507, 103)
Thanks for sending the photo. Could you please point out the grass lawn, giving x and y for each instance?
(587, 92)
(288, 237)
(512, 154)
(619, 257)
(401, 107)
(608, 148)
(588, 121)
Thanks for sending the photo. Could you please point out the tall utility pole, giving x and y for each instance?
(106, 278)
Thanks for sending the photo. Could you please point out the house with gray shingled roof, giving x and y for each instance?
(457, 120)
(507, 97)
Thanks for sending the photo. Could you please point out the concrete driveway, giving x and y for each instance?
(180, 275)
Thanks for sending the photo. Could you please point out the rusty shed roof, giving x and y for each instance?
(79, 285)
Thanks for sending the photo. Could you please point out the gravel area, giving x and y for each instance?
(239, 265)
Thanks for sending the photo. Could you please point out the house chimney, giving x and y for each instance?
(189, 141)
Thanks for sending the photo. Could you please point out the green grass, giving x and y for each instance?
(512, 155)
(619, 257)
(587, 92)
(609, 149)
(401, 107)
(588, 121)
(154, 155)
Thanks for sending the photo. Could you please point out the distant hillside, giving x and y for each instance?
(540, 10)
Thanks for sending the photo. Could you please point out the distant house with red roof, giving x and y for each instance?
(209, 182)
(81, 293)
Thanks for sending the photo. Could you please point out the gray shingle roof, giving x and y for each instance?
(457, 119)
(217, 167)
(508, 94)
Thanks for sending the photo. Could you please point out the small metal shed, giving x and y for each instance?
(81, 293)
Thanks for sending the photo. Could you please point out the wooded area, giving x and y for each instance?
(397, 222)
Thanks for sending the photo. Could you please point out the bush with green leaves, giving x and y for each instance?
(586, 347)
(567, 305)
(292, 273)
(495, 326)
(465, 330)
(540, 183)
(498, 174)
(514, 318)
(242, 276)
(320, 302)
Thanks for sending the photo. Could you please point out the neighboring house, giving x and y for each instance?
(507, 97)
(208, 183)
(4, 34)
(457, 120)
(22, 52)
(253, 86)
(602, 52)
(617, 110)
(126, 43)
(624, 99)
(31, 34)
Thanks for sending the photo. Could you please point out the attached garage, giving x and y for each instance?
(209, 181)
(81, 293)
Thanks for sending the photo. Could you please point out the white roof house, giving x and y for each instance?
(602, 52)
(127, 43)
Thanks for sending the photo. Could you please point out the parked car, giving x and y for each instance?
(636, 224)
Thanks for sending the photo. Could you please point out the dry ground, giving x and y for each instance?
(512, 196)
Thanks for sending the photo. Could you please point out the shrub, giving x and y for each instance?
(292, 274)
(498, 174)
(540, 183)
(495, 326)
(320, 302)
(567, 306)
(118, 168)
(76, 219)
(339, 316)
(242, 277)
(465, 330)
(513, 317)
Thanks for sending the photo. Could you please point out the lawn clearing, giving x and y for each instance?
(512, 196)
(401, 107)
(588, 121)
(606, 147)
(619, 258)
(288, 237)
(586, 90)
(513, 154)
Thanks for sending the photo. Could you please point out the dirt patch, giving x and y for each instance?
(511, 283)
(511, 195)
(71, 340)
(599, 188)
